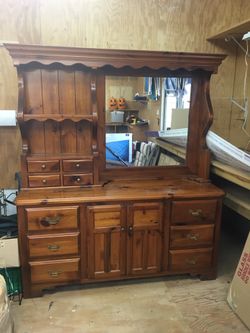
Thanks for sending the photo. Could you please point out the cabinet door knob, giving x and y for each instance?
(130, 230)
(122, 228)
(43, 166)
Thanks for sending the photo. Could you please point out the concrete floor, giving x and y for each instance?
(169, 305)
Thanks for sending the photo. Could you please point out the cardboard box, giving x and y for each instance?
(239, 292)
(9, 255)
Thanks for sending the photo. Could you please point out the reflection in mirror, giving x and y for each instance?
(146, 120)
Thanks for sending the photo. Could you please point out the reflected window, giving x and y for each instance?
(139, 110)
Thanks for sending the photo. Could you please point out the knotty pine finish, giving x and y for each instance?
(80, 222)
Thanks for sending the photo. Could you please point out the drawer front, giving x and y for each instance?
(147, 214)
(190, 260)
(77, 166)
(195, 211)
(79, 179)
(44, 180)
(55, 271)
(52, 218)
(53, 245)
(189, 236)
(43, 166)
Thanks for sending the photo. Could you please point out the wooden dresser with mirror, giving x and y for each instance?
(87, 213)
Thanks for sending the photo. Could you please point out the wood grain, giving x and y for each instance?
(170, 26)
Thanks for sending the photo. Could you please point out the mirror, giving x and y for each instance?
(146, 120)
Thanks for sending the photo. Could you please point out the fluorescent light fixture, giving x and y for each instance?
(246, 36)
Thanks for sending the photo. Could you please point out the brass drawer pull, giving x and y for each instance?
(53, 247)
(196, 213)
(194, 237)
(191, 262)
(48, 221)
(54, 274)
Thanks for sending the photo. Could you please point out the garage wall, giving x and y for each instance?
(169, 25)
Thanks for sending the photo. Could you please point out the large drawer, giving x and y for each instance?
(53, 245)
(77, 166)
(190, 260)
(44, 166)
(193, 211)
(191, 235)
(54, 271)
(44, 180)
(52, 218)
(78, 179)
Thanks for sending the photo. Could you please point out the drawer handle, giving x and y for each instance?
(191, 262)
(53, 247)
(78, 179)
(48, 221)
(196, 213)
(194, 237)
(77, 165)
(44, 181)
(43, 166)
(54, 274)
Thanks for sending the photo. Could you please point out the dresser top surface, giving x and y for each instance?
(153, 189)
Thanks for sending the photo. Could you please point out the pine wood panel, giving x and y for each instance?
(161, 26)
(66, 91)
(33, 92)
(107, 248)
(50, 91)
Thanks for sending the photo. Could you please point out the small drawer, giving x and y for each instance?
(53, 245)
(195, 211)
(79, 179)
(190, 260)
(44, 181)
(77, 166)
(147, 214)
(190, 236)
(52, 218)
(43, 166)
(55, 271)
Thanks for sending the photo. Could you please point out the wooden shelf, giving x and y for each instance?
(56, 117)
(237, 30)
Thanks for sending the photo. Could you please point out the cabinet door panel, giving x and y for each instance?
(145, 238)
(107, 241)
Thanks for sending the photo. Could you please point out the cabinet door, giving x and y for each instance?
(107, 241)
(145, 238)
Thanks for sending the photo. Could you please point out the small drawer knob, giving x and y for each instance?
(78, 179)
(43, 166)
(44, 181)
(77, 165)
